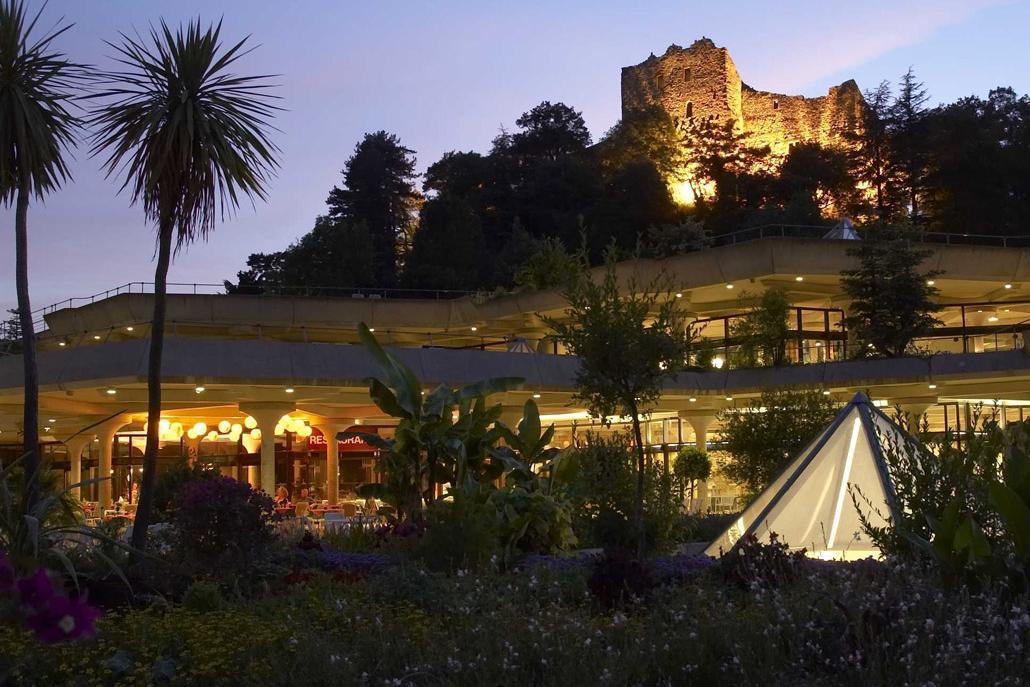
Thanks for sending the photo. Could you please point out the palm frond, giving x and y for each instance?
(187, 136)
(37, 84)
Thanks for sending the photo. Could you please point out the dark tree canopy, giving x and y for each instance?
(550, 131)
(379, 190)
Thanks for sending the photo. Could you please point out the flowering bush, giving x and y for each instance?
(752, 564)
(48, 613)
(221, 525)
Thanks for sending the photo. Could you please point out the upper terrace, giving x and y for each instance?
(985, 290)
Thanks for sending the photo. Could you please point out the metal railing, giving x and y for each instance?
(766, 231)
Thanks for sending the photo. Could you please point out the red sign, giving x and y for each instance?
(316, 442)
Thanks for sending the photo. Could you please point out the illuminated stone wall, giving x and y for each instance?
(702, 82)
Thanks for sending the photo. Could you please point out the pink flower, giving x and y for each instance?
(62, 619)
(36, 589)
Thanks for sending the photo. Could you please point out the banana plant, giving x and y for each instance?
(528, 448)
(1011, 500)
(440, 437)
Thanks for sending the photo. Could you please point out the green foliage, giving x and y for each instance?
(629, 337)
(378, 191)
(670, 240)
(762, 333)
(448, 247)
(957, 505)
(171, 480)
(603, 496)
(461, 534)
(550, 131)
(334, 254)
(762, 437)
(550, 266)
(648, 134)
(429, 446)
(891, 302)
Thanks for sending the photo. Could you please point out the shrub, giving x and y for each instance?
(460, 535)
(690, 466)
(222, 526)
(754, 565)
(170, 481)
(618, 578)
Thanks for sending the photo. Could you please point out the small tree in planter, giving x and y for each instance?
(692, 465)
(763, 332)
(629, 338)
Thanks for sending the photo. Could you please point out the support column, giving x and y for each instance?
(75, 445)
(329, 429)
(700, 422)
(106, 433)
(267, 416)
(913, 409)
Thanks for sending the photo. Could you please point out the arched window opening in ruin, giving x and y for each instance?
(776, 104)
(690, 110)
(686, 74)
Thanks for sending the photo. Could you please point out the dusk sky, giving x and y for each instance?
(446, 76)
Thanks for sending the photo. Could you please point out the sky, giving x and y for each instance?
(447, 75)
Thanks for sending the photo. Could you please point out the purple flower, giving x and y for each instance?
(7, 575)
(36, 589)
(62, 619)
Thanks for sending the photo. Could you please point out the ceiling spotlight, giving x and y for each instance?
(51, 420)
(474, 328)
(96, 337)
(62, 344)
(930, 282)
(371, 329)
(729, 398)
(288, 389)
(992, 318)
(692, 399)
(679, 295)
(1008, 286)
(199, 389)
(536, 395)
(799, 278)
(729, 286)
(826, 392)
(112, 392)
(129, 329)
(931, 385)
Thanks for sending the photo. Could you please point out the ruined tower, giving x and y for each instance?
(702, 82)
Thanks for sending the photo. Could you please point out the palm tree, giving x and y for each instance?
(189, 137)
(36, 130)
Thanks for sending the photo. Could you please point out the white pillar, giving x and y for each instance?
(106, 433)
(75, 445)
(267, 416)
(700, 422)
(329, 429)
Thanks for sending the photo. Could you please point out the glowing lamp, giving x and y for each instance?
(249, 422)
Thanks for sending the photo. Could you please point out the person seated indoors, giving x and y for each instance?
(282, 497)
(305, 495)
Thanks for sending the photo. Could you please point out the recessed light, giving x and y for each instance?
(679, 295)
(818, 344)
(128, 329)
(474, 328)
(371, 329)
(536, 395)
(799, 278)
(288, 389)
(96, 337)
(729, 398)
(51, 420)
(930, 282)
(826, 392)
(199, 389)
(992, 318)
(1008, 286)
(62, 344)
(931, 385)
(112, 392)
(729, 286)
(692, 399)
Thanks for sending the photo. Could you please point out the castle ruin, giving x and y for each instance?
(702, 82)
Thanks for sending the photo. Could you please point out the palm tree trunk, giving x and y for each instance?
(157, 332)
(638, 508)
(30, 413)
